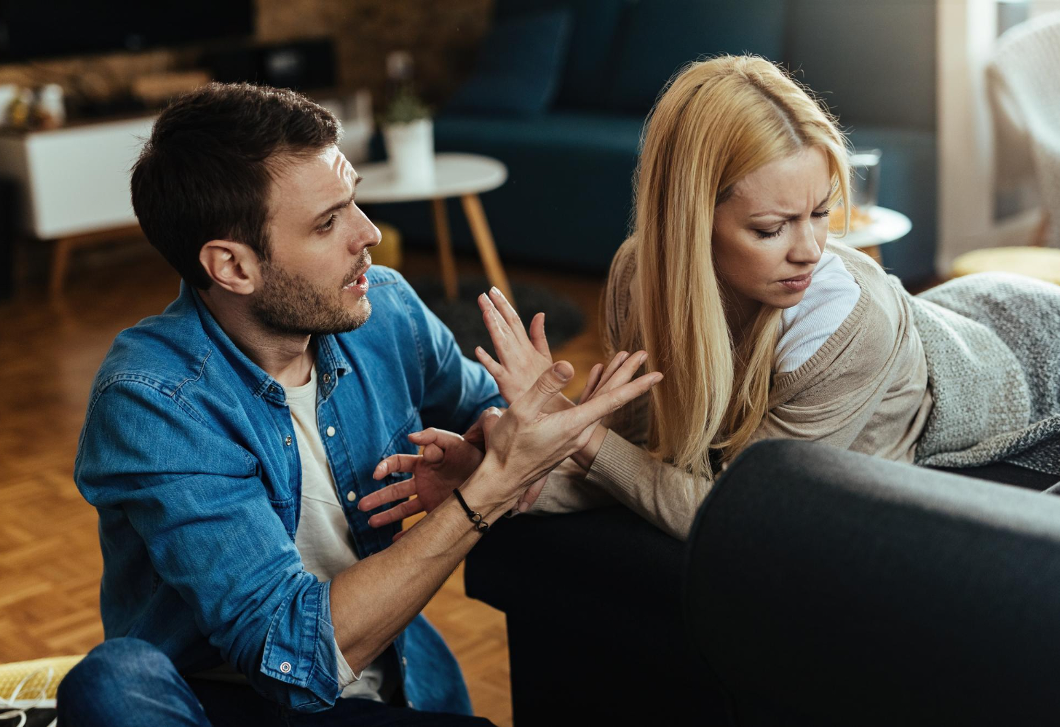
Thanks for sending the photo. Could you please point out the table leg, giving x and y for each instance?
(480, 230)
(60, 261)
(445, 249)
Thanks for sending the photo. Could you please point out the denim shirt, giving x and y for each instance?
(188, 454)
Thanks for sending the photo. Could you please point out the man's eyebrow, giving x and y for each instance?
(340, 205)
(788, 215)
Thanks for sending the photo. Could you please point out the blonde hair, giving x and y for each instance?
(718, 121)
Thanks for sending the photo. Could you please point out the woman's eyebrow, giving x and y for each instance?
(790, 215)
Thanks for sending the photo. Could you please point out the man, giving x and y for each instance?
(228, 440)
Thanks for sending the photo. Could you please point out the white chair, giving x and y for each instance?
(1023, 79)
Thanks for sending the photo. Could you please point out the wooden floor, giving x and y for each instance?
(50, 563)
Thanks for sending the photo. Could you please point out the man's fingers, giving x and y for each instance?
(440, 437)
(396, 513)
(537, 335)
(548, 384)
(395, 463)
(489, 420)
(496, 326)
(495, 369)
(606, 402)
(507, 312)
(396, 491)
(433, 454)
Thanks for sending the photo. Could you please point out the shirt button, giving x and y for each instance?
(351, 496)
(285, 667)
(331, 431)
(272, 389)
(404, 661)
(327, 378)
(287, 440)
(411, 705)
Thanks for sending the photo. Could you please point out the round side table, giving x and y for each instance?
(455, 175)
(887, 226)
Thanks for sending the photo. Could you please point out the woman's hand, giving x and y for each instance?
(446, 461)
(523, 358)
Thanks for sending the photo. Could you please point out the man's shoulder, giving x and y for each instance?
(162, 351)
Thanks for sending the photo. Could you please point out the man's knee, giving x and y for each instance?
(113, 666)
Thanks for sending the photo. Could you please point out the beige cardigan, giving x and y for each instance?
(866, 390)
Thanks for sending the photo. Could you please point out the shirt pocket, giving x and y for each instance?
(399, 444)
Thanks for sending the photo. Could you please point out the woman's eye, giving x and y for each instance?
(764, 234)
(822, 214)
(327, 225)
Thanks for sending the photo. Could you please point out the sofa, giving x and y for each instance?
(568, 124)
(796, 601)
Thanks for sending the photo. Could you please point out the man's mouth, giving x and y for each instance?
(360, 279)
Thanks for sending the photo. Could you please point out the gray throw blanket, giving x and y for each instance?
(992, 343)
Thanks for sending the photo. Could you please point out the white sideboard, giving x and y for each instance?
(74, 180)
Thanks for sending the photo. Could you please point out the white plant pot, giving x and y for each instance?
(410, 149)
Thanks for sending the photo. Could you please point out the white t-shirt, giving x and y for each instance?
(805, 327)
(323, 537)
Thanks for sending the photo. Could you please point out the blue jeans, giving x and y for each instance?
(129, 682)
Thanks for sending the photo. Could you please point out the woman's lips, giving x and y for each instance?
(797, 284)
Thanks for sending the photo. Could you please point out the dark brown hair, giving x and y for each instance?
(206, 171)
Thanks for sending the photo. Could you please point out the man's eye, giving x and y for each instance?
(327, 225)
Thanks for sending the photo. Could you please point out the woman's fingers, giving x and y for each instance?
(537, 335)
(515, 324)
(620, 358)
(591, 384)
(530, 496)
(395, 463)
(500, 332)
(396, 491)
(606, 402)
(623, 373)
(396, 513)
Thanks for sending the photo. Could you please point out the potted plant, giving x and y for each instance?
(408, 134)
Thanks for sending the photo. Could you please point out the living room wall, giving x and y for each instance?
(442, 37)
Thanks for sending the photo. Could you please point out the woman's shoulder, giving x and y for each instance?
(828, 303)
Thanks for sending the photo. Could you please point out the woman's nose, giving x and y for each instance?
(806, 249)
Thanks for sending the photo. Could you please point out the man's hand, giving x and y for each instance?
(523, 358)
(446, 461)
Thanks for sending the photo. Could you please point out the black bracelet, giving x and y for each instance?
(481, 525)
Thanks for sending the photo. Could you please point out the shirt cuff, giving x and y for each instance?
(618, 464)
(346, 676)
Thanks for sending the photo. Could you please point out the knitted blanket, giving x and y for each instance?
(992, 343)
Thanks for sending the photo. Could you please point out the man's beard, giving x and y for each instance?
(290, 304)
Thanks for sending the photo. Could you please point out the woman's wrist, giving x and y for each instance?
(587, 454)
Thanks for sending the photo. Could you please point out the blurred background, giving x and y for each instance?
(498, 140)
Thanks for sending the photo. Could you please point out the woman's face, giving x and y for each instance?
(769, 234)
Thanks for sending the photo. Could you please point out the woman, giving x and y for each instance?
(762, 328)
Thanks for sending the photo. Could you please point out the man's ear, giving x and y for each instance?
(233, 266)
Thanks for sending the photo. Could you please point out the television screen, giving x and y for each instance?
(69, 27)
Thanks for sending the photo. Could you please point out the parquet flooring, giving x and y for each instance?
(50, 563)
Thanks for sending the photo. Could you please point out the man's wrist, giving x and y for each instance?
(486, 493)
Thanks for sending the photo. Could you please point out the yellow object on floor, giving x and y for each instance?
(387, 252)
(1037, 262)
(39, 678)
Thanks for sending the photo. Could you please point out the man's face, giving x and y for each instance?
(313, 282)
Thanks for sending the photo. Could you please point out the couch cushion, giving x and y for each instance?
(590, 59)
(519, 65)
(660, 36)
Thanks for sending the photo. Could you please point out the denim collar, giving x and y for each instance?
(331, 363)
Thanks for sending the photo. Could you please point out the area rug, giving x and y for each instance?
(563, 318)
